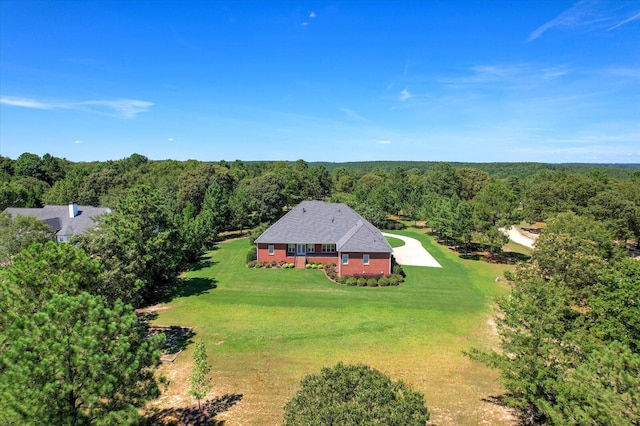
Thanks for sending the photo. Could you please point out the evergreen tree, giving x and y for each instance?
(77, 361)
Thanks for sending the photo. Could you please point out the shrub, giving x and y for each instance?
(274, 263)
(362, 281)
(342, 280)
(354, 394)
(395, 279)
(397, 270)
(352, 281)
(252, 254)
(308, 266)
(372, 282)
(383, 282)
(251, 264)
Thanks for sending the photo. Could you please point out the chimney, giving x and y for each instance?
(73, 209)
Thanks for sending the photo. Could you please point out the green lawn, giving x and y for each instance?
(395, 242)
(267, 328)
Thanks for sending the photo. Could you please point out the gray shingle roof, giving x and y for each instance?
(58, 220)
(318, 222)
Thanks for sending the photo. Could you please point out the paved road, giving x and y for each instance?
(412, 253)
(516, 236)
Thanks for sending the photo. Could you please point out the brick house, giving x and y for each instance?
(316, 231)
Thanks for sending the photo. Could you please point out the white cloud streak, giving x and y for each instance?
(120, 108)
(626, 21)
(590, 14)
(24, 103)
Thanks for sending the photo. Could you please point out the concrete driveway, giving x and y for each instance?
(412, 253)
(517, 236)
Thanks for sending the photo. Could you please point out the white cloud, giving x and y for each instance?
(626, 21)
(24, 102)
(78, 142)
(591, 14)
(304, 24)
(384, 142)
(353, 115)
(122, 108)
(405, 95)
(170, 139)
(312, 15)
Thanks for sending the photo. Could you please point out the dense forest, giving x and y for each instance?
(167, 213)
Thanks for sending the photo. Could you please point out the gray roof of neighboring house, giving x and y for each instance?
(58, 220)
(318, 222)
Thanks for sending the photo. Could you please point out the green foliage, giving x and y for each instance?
(605, 389)
(354, 395)
(570, 330)
(43, 270)
(138, 246)
(252, 254)
(77, 361)
(18, 233)
(199, 383)
(494, 207)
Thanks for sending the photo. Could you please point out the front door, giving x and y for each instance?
(302, 249)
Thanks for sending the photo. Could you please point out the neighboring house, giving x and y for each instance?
(316, 231)
(64, 221)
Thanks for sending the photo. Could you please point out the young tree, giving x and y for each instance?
(354, 395)
(199, 383)
(77, 361)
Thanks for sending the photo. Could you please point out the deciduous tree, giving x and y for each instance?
(199, 383)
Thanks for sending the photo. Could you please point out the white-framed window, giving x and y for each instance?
(345, 259)
(271, 250)
(311, 248)
(365, 259)
(291, 248)
(63, 238)
(328, 248)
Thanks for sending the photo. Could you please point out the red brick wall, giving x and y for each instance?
(379, 263)
(279, 254)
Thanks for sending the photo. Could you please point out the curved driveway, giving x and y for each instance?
(517, 236)
(412, 253)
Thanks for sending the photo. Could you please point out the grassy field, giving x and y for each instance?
(266, 328)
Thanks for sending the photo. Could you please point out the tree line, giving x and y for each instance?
(166, 213)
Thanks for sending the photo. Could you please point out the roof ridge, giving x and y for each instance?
(350, 233)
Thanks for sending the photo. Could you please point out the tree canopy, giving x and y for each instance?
(354, 395)
(77, 361)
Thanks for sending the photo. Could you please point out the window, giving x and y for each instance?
(311, 248)
(291, 248)
(365, 259)
(271, 250)
(328, 248)
(63, 239)
(345, 259)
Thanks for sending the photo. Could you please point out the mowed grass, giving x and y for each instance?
(265, 329)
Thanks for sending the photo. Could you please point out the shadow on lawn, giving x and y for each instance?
(185, 287)
(196, 416)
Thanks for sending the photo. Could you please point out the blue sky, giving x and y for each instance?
(549, 81)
